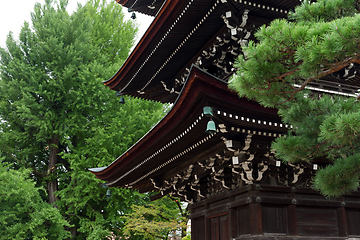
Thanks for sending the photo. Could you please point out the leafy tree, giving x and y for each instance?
(24, 215)
(158, 219)
(318, 39)
(57, 118)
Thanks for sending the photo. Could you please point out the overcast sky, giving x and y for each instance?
(13, 13)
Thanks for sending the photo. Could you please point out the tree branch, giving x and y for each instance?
(36, 172)
(334, 68)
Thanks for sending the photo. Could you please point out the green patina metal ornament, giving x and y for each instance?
(108, 194)
(211, 128)
(208, 111)
(122, 99)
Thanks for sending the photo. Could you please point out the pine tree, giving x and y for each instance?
(58, 119)
(318, 39)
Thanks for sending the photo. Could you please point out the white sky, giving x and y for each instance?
(13, 13)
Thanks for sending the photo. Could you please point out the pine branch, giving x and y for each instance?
(334, 68)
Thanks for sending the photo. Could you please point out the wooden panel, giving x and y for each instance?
(273, 194)
(214, 228)
(255, 219)
(219, 203)
(224, 227)
(198, 228)
(317, 222)
(274, 219)
(353, 219)
(233, 223)
(243, 220)
(219, 228)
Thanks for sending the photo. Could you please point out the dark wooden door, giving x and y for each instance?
(219, 228)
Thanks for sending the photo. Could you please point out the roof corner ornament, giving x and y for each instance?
(211, 127)
(131, 10)
(122, 99)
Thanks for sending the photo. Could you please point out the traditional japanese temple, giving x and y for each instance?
(213, 148)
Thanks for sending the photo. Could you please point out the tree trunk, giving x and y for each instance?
(52, 183)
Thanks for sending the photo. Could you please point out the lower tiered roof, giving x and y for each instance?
(178, 156)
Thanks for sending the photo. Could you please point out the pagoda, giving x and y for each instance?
(212, 149)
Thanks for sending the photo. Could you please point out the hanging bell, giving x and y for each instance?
(211, 128)
(122, 100)
(133, 16)
(108, 194)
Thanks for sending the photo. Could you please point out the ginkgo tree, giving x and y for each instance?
(58, 119)
(318, 39)
(23, 213)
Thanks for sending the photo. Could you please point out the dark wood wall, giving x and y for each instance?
(276, 213)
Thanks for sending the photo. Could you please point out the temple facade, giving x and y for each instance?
(213, 148)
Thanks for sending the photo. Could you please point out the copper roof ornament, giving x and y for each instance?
(122, 99)
(133, 15)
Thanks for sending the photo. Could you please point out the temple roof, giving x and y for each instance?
(186, 58)
(186, 32)
(180, 136)
(148, 7)
(208, 34)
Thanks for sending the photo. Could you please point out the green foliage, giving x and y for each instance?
(298, 52)
(310, 135)
(156, 220)
(24, 215)
(319, 39)
(58, 119)
(83, 197)
(187, 237)
(323, 10)
(328, 127)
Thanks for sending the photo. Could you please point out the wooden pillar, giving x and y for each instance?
(233, 223)
(255, 219)
(342, 222)
(256, 225)
(207, 224)
(292, 228)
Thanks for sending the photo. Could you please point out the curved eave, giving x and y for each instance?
(183, 30)
(157, 28)
(200, 89)
(122, 2)
(148, 7)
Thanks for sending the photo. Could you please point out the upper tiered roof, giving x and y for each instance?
(205, 33)
(185, 32)
(148, 7)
